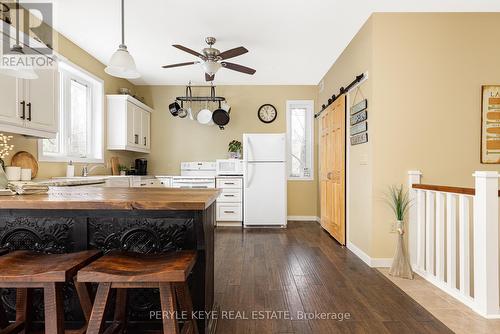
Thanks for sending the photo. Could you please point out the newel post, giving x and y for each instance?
(414, 177)
(486, 286)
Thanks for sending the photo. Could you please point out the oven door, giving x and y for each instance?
(193, 183)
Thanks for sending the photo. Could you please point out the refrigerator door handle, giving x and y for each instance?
(248, 178)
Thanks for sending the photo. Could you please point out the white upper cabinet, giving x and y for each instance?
(129, 124)
(30, 107)
(41, 94)
(11, 107)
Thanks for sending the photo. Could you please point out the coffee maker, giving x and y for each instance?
(141, 167)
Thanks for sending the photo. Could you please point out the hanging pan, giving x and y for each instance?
(221, 115)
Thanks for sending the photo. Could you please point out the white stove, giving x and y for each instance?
(196, 174)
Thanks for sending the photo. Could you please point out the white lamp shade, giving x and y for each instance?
(210, 67)
(122, 65)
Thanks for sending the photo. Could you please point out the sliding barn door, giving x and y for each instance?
(332, 169)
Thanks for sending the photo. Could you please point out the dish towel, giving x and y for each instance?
(27, 188)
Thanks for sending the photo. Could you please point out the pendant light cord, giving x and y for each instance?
(123, 22)
(17, 22)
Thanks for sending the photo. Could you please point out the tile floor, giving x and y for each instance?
(456, 316)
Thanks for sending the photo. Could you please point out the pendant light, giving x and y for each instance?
(121, 64)
(21, 70)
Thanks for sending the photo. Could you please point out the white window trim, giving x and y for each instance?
(309, 105)
(97, 134)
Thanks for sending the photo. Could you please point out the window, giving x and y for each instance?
(300, 128)
(80, 136)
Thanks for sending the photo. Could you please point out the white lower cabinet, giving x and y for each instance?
(229, 205)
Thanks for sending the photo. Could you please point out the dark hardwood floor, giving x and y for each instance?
(302, 269)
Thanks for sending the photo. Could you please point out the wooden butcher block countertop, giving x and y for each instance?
(101, 198)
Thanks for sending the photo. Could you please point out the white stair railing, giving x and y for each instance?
(453, 239)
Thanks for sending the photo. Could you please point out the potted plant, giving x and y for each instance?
(234, 149)
(399, 202)
(123, 169)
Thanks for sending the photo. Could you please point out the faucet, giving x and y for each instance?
(86, 171)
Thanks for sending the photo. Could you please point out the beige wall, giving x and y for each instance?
(423, 90)
(175, 140)
(356, 59)
(81, 58)
(428, 72)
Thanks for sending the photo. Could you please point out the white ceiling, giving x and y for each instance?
(290, 41)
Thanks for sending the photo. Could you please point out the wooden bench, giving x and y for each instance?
(125, 270)
(25, 270)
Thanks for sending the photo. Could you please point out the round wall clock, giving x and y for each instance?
(267, 113)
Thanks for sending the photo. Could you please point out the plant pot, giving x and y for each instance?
(234, 155)
(401, 266)
(123, 172)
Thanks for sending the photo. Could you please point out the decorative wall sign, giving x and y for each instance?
(490, 125)
(359, 117)
(358, 128)
(359, 139)
(359, 106)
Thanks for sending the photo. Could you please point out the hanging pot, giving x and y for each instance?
(221, 116)
(205, 116)
(182, 112)
(174, 108)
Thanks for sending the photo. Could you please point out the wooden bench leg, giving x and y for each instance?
(3, 315)
(119, 324)
(168, 307)
(54, 314)
(101, 301)
(186, 304)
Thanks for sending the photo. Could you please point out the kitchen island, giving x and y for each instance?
(69, 219)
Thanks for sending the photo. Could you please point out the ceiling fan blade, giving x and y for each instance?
(188, 50)
(239, 68)
(209, 77)
(181, 64)
(233, 53)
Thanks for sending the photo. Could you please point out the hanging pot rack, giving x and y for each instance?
(190, 98)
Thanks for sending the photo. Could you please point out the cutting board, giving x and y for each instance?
(24, 159)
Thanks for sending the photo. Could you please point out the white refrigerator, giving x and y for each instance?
(265, 193)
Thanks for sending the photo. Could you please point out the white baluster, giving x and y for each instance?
(486, 286)
(421, 230)
(451, 240)
(440, 260)
(414, 177)
(464, 245)
(429, 232)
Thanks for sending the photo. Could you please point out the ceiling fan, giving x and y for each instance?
(211, 59)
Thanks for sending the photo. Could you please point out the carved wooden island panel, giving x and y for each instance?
(139, 220)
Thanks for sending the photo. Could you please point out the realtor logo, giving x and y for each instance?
(19, 22)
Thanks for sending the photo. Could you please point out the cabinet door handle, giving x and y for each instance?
(230, 183)
(23, 104)
(227, 195)
(136, 139)
(29, 111)
(144, 141)
(228, 211)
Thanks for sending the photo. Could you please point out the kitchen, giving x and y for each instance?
(194, 171)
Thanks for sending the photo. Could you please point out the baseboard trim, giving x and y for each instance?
(304, 218)
(372, 262)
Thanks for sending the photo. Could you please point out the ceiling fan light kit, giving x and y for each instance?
(122, 64)
(212, 59)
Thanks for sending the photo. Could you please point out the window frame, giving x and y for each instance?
(68, 72)
(309, 106)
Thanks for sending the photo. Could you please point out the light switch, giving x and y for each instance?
(363, 161)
